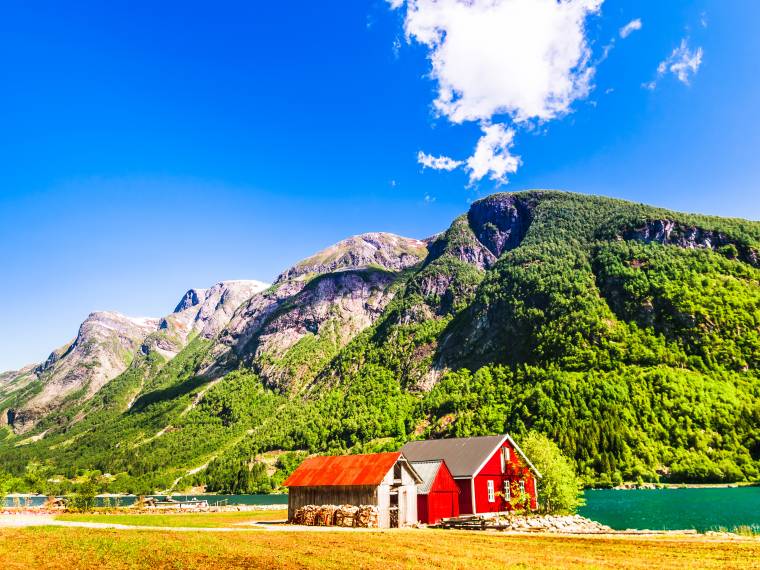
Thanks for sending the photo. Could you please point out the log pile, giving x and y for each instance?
(346, 516)
(394, 517)
(306, 515)
(326, 515)
(364, 516)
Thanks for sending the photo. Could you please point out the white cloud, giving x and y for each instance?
(630, 27)
(683, 62)
(438, 162)
(527, 59)
(493, 156)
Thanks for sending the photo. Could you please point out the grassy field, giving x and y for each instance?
(80, 548)
(194, 520)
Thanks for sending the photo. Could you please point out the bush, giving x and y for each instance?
(559, 489)
(84, 499)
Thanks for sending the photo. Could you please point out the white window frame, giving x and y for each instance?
(522, 487)
(491, 491)
(507, 491)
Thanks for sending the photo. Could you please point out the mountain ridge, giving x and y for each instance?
(107, 342)
(628, 333)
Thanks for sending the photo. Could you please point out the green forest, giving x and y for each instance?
(635, 351)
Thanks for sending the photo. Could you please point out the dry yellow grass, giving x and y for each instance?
(54, 548)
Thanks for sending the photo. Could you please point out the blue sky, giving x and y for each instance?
(145, 150)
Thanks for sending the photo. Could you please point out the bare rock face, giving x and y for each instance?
(190, 299)
(345, 285)
(330, 311)
(102, 350)
(207, 311)
(492, 226)
(500, 222)
(669, 232)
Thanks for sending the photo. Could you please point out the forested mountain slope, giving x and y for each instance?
(629, 334)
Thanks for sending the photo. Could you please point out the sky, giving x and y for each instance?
(150, 147)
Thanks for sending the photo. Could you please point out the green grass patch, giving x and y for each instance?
(187, 520)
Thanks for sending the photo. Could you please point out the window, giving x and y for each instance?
(522, 487)
(507, 492)
(504, 458)
(491, 492)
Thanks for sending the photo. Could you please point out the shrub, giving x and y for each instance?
(559, 489)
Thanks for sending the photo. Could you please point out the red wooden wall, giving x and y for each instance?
(443, 499)
(516, 470)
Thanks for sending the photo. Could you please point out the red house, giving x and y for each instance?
(492, 472)
(438, 494)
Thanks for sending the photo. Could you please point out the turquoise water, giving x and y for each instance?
(675, 509)
(661, 509)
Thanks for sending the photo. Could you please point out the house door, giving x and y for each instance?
(394, 510)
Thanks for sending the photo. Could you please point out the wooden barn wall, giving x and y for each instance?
(407, 497)
(329, 495)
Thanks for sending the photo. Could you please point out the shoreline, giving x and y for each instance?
(27, 519)
(623, 487)
(670, 486)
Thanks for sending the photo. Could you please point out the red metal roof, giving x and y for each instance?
(343, 470)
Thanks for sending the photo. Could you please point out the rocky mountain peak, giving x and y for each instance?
(107, 342)
(190, 299)
(385, 250)
(104, 347)
(207, 311)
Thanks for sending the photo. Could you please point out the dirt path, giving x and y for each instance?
(25, 521)
(30, 520)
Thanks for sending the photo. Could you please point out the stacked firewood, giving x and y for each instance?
(394, 517)
(326, 515)
(306, 515)
(346, 515)
(364, 516)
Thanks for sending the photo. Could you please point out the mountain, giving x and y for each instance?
(627, 333)
(315, 308)
(105, 347)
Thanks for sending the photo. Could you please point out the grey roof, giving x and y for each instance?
(427, 470)
(464, 456)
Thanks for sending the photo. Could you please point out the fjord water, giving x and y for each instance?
(661, 509)
(702, 509)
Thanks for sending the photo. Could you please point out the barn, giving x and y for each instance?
(438, 494)
(491, 472)
(385, 480)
